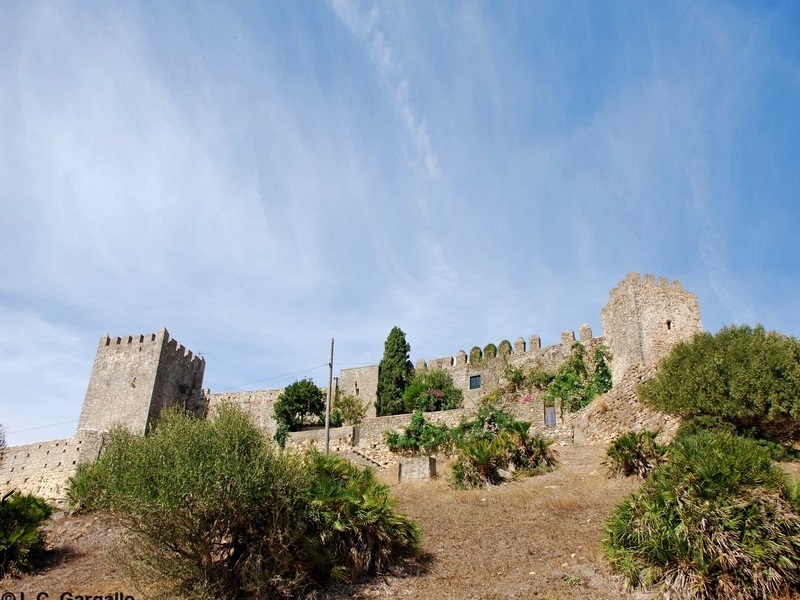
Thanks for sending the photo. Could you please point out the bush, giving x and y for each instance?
(420, 436)
(347, 409)
(495, 440)
(214, 510)
(479, 462)
(489, 422)
(716, 521)
(21, 537)
(572, 386)
(743, 376)
(353, 521)
(432, 390)
(634, 453)
(301, 403)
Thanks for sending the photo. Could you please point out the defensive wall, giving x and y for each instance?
(480, 370)
(258, 404)
(134, 378)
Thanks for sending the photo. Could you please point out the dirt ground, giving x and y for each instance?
(534, 538)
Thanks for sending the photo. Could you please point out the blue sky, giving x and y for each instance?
(261, 177)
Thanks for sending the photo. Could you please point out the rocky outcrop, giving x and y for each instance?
(620, 411)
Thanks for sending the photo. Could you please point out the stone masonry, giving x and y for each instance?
(136, 377)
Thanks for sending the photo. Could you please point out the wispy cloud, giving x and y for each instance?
(365, 26)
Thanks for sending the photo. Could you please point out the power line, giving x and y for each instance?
(284, 376)
(43, 427)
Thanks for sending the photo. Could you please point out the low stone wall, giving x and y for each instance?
(368, 438)
(42, 468)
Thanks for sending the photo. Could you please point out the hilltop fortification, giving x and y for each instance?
(136, 377)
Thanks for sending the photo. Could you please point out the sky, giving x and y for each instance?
(262, 177)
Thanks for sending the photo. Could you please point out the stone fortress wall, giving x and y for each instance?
(136, 377)
(487, 365)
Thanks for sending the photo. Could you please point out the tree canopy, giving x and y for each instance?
(395, 372)
(745, 376)
(432, 389)
(300, 403)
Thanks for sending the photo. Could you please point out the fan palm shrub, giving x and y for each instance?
(717, 520)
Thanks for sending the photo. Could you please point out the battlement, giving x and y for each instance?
(142, 341)
(505, 349)
(635, 280)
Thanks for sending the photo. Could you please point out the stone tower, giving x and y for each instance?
(134, 378)
(645, 318)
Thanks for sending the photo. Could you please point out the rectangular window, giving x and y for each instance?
(474, 382)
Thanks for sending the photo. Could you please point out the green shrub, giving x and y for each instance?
(496, 440)
(478, 463)
(716, 521)
(420, 436)
(489, 422)
(214, 510)
(634, 453)
(21, 537)
(300, 403)
(515, 377)
(527, 453)
(432, 390)
(601, 380)
(347, 409)
(354, 522)
(744, 376)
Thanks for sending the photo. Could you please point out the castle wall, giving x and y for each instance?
(645, 318)
(490, 363)
(44, 468)
(361, 382)
(258, 404)
(368, 438)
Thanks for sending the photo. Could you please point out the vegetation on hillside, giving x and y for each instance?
(634, 453)
(395, 373)
(21, 519)
(300, 403)
(744, 377)
(432, 390)
(214, 509)
(717, 520)
(486, 449)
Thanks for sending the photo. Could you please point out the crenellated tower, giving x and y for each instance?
(645, 318)
(135, 377)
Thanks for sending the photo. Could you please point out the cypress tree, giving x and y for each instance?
(395, 372)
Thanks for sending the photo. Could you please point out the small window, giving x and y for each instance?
(474, 382)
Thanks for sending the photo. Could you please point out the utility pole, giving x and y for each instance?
(328, 404)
